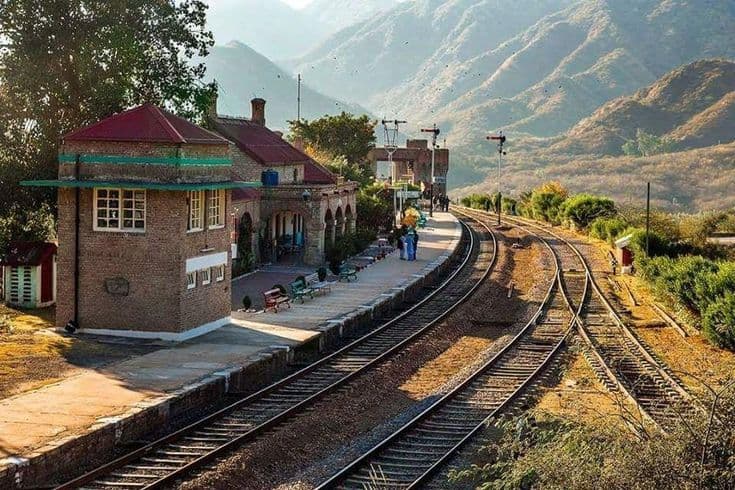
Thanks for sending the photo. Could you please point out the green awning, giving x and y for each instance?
(178, 161)
(91, 184)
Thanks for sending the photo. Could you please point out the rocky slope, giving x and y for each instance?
(536, 68)
(693, 105)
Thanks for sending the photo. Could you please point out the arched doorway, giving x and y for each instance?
(339, 221)
(245, 256)
(329, 229)
(349, 220)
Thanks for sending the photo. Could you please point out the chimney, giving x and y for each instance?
(212, 109)
(258, 111)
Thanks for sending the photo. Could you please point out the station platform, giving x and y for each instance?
(48, 431)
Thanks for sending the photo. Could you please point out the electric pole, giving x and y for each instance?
(500, 138)
(298, 99)
(648, 219)
(434, 133)
(391, 130)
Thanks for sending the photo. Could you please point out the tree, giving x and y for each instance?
(344, 135)
(647, 144)
(339, 165)
(68, 63)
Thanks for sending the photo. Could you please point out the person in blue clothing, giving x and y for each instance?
(411, 244)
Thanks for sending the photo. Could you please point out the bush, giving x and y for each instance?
(546, 206)
(608, 229)
(246, 302)
(718, 322)
(582, 209)
(321, 273)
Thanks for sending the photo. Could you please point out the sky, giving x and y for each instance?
(297, 3)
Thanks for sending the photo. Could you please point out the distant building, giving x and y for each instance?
(28, 275)
(301, 208)
(144, 235)
(412, 164)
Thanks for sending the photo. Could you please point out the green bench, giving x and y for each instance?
(299, 289)
(347, 272)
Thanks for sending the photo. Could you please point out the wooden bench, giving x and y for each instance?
(346, 272)
(312, 281)
(274, 298)
(299, 289)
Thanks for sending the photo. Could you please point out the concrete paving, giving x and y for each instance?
(34, 420)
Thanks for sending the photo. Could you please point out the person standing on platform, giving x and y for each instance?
(410, 245)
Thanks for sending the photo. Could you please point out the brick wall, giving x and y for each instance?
(156, 173)
(152, 263)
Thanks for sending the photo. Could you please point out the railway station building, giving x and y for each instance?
(412, 164)
(144, 236)
(301, 208)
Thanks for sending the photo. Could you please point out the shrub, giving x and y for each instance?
(246, 302)
(582, 209)
(546, 206)
(608, 229)
(718, 322)
(321, 273)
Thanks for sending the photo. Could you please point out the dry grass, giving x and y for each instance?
(579, 396)
(32, 355)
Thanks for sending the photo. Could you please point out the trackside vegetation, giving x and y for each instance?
(682, 268)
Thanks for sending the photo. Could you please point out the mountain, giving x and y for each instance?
(687, 181)
(242, 74)
(693, 105)
(338, 14)
(535, 68)
(269, 26)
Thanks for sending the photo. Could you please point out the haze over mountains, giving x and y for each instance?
(279, 31)
(243, 74)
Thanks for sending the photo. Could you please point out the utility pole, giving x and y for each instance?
(434, 133)
(648, 219)
(500, 138)
(298, 99)
(390, 131)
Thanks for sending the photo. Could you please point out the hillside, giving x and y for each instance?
(266, 26)
(538, 69)
(243, 74)
(694, 105)
(338, 14)
(686, 181)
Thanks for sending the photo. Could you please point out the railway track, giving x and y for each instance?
(411, 456)
(170, 458)
(620, 359)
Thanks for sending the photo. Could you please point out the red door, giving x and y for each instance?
(47, 280)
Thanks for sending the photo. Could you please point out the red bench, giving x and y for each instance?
(274, 298)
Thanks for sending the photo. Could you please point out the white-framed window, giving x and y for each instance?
(119, 210)
(191, 280)
(206, 276)
(196, 211)
(216, 209)
(219, 273)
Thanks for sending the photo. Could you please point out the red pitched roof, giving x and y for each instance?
(145, 123)
(317, 174)
(260, 143)
(27, 253)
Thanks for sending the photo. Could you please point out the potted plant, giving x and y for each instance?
(246, 303)
(321, 272)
